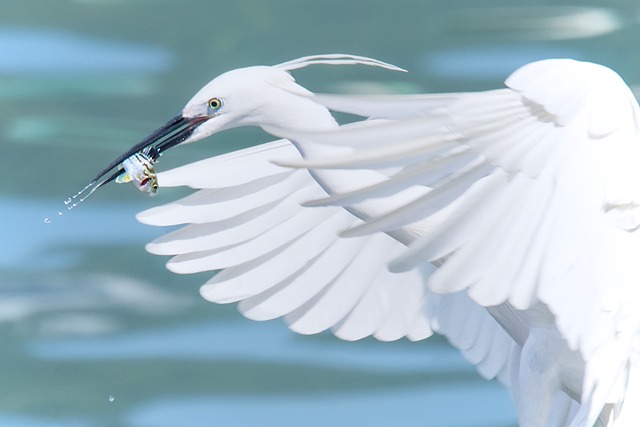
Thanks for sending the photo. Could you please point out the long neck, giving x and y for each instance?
(308, 116)
(295, 114)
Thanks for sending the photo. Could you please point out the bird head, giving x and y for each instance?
(266, 97)
(263, 96)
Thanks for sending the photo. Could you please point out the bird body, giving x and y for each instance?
(505, 220)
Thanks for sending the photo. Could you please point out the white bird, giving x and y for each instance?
(506, 220)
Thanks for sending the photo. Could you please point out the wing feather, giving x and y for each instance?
(330, 306)
(284, 239)
(222, 171)
(205, 206)
(525, 220)
(309, 275)
(251, 224)
(289, 295)
(483, 342)
(385, 106)
(452, 187)
(280, 259)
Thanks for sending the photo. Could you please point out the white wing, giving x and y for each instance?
(281, 259)
(524, 195)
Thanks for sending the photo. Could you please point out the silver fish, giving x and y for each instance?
(138, 169)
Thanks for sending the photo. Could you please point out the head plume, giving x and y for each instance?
(335, 59)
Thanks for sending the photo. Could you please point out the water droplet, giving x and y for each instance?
(111, 398)
(59, 213)
(83, 194)
(47, 220)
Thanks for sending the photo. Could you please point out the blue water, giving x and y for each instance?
(95, 331)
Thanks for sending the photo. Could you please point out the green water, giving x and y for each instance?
(94, 331)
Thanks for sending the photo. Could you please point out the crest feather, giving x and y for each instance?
(335, 59)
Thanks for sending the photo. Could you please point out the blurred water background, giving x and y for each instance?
(94, 331)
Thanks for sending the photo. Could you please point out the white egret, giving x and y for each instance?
(506, 220)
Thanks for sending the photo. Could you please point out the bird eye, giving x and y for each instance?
(215, 104)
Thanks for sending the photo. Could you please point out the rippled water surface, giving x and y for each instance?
(95, 331)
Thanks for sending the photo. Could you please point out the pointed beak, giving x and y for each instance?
(174, 132)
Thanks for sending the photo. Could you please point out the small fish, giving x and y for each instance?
(139, 169)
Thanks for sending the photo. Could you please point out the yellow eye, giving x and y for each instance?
(215, 103)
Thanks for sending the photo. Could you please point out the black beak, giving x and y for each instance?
(172, 133)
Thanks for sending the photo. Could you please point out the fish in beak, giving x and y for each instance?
(136, 164)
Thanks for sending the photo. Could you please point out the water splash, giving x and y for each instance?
(143, 165)
(71, 202)
(82, 195)
(91, 187)
(112, 398)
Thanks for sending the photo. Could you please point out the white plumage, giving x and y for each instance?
(506, 220)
